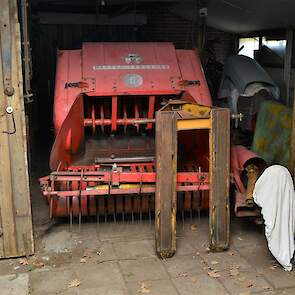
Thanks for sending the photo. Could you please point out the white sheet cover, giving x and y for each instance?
(274, 193)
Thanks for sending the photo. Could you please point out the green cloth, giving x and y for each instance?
(272, 134)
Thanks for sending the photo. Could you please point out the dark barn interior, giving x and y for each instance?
(135, 134)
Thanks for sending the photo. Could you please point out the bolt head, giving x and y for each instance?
(9, 110)
(9, 90)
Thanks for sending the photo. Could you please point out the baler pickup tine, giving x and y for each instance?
(80, 221)
(71, 220)
(97, 218)
(102, 117)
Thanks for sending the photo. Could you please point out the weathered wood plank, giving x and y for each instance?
(292, 142)
(219, 174)
(6, 200)
(14, 184)
(165, 200)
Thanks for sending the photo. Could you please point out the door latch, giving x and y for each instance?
(9, 111)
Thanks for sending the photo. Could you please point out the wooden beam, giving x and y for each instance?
(288, 64)
(219, 178)
(165, 199)
(292, 142)
(15, 206)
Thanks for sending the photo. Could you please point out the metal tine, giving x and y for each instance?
(97, 210)
(93, 118)
(136, 111)
(102, 117)
(150, 213)
(71, 220)
(123, 209)
(182, 212)
(141, 169)
(80, 221)
(125, 114)
(132, 213)
(199, 206)
(114, 210)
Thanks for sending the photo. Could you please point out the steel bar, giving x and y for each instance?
(114, 113)
(118, 121)
(151, 110)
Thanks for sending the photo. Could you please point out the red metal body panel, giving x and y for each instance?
(100, 68)
(70, 138)
(68, 68)
(191, 69)
(78, 65)
(106, 62)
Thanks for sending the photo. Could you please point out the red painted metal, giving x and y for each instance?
(240, 155)
(118, 87)
(114, 113)
(151, 111)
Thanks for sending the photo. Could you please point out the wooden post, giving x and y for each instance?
(16, 234)
(165, 200)
(288, 64)
(292, 142)
(219, 179)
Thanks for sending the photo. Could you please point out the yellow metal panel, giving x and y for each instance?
(197, 110)
(190, 124)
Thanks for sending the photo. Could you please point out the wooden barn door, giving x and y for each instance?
(16, 234)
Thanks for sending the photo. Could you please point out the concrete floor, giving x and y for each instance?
(117, 259)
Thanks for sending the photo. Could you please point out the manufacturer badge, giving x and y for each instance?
(133, 80)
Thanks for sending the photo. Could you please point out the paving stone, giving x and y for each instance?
(96, 275)
(181, 265)
(113, 289)
(245, 282)
(199, 227)
(7, 266)
(98, 252)
(259, 257)
(280, 278)
(183, 247)
(59, 240)
(160, 287)
(14, 284)
(200, 284)
(199, 242)
(226, 260)
(135, 249)
(50, 282)
(246, 234)
(144, 269)
(264, 263)
(290, 291)
(126, 231)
